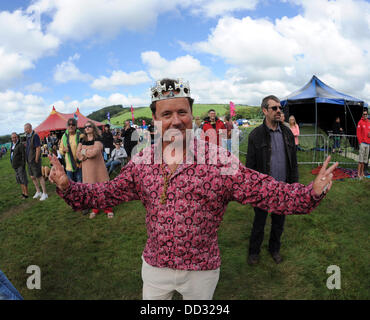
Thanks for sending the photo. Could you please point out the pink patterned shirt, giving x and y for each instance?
(182, 234)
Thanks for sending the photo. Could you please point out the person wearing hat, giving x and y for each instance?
(185, 185)
(68, 149)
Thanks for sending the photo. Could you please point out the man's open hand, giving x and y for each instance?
(57, 174)
(323, 181)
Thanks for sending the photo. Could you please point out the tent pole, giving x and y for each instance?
(345, 115)
(353, 119)
(315, 117)
(315, 130)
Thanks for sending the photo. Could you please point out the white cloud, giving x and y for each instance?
(18, 109)
(214, 8)
(12, 66)
(205, 86)
(120, 78)
(36, 87)
(67, 71)
(100, 18)
(290, 50)
(22, 42)
(182, 67)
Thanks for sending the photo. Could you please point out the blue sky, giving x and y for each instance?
(94, 53)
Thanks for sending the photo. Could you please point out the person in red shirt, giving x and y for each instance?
(363, 137)
(213, 125)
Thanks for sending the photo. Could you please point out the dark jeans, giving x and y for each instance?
(336, 143)
(277, 227)
(75, 176)
(112, 164)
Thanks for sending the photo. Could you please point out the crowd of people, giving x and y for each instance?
(87, 155)
(184, 201)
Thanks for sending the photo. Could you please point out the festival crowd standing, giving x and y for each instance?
(229, 127)
(130, 138)
(272, 151)
(294, 127)
(337, 130)
(107, 139)
(363, 137)
(33, 159)
(68, 149)
(185, 200)
(18, 161)
(89, 152)
(214, 125)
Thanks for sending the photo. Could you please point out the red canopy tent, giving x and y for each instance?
(58, 121)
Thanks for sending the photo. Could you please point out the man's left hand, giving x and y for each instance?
(323, 181)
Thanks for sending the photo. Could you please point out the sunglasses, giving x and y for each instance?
(71, 125)
(88, 126)
(274, 108)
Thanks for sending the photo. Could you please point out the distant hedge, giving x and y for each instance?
(101, 114)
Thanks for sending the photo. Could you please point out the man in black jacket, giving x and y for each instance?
(18, 161)
(130, 138)
(271, 150)
(107, 141)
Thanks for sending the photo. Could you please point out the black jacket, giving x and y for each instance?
(336, 128)
(19, 155)
(259, 151)
(129, 141)
(108, 140)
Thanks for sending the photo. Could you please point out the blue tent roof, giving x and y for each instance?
(322, 93)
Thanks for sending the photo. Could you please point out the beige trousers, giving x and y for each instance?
(161, 283)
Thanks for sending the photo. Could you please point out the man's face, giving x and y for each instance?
(127, 124)
(212, 115)
(14, 138)
(273, 112)
(71, 127)
(364, 115)
(174, 114)
(27, 129)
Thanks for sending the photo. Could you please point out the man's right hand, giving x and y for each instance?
(57, 174)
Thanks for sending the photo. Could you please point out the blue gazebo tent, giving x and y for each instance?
(320, 104)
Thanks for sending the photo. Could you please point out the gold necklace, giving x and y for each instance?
(165, 184)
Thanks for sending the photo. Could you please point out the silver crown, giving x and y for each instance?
(181, 90)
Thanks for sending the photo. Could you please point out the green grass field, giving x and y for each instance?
(81, 258)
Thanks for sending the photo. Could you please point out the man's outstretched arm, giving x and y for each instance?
(264, 192)
(102, 195)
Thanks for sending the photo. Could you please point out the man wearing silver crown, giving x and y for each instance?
(185, 200)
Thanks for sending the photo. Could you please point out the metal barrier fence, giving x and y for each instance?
(343, 148)
(314, 148)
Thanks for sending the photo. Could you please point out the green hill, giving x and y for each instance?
(198, 110)
(101, 114)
